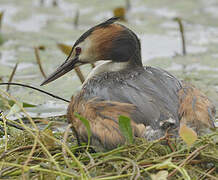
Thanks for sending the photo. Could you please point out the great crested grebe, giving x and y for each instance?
(153, 98)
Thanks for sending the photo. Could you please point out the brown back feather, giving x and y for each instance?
(103, 118)
(195, 110)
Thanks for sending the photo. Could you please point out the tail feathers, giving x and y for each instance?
(103, 118)
(195, 110)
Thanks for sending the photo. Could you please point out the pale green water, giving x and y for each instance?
(27, 24)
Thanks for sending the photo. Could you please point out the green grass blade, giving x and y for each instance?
(126, 128)
(86, 124)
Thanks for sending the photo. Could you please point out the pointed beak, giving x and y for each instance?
(63, 69)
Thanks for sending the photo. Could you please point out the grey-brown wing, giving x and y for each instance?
(153, 92)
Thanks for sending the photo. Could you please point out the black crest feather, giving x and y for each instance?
(108, 22)
(103, 24)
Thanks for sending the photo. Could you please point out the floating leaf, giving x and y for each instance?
(120, 12)
(66, 49)
(1, 17)
(1, 39)
(86, 124)
(28, 105)
(126, 128)
(11, 103)
(161, 175)
(15, 109)
(187, 134)
(41, 47)
(1, 36)
(2, 104)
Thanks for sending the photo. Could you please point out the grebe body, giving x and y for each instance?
(154, 99)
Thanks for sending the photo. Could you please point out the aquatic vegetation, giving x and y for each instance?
(30, 152)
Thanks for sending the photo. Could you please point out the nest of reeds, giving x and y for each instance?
(30, 152)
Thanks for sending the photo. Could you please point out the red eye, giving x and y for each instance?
(78, 50)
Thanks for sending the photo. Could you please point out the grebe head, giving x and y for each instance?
(106, 41)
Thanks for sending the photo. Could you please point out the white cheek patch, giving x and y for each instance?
(87, 53)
